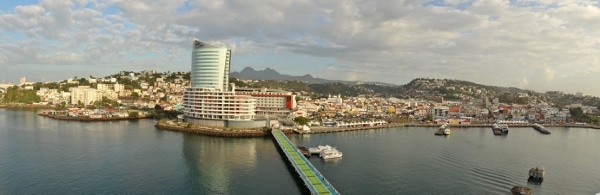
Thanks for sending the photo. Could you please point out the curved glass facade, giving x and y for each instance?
(210, 101)
(210, 66)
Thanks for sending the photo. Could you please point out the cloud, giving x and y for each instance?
(486, 41)
(549, 74)
(522, 83)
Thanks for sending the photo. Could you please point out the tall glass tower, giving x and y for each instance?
(209, 101)
(210, 66)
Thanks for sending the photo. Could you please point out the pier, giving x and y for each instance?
(312, 178)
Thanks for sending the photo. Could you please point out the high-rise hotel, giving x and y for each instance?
(211, 101)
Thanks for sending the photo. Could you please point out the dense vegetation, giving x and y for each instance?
(16, 95)
(315, 90)
(578, 115)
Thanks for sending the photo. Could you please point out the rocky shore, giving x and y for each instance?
(210, 131)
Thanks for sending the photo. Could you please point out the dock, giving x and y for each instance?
(304, 151)
(541, 129)
(312, 178)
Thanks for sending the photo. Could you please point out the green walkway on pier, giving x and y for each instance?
(316, 183)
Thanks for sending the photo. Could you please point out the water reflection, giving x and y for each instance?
(215, 162)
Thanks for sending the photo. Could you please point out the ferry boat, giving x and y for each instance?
(330, 153)
(447, 131)
(496, 129)
(443, 130)
(504, 128)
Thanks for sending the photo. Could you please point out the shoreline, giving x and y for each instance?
(219, 132)
(84, 119)
(317, 130)
(24, 106)
(216, 132)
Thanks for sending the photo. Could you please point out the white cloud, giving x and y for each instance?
(487, 41)
(523, 83)
(549, 74)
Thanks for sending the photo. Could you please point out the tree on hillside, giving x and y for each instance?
(16, 95)
(301, 120)
(134, 114)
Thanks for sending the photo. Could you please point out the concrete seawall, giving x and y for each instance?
(86, 119)
(217, 132)
(315, 130)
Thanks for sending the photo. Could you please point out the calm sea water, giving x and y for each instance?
(42, 155)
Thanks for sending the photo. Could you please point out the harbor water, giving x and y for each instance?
(45, 156)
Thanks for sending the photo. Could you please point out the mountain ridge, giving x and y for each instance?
(450, 89)
(250, 73)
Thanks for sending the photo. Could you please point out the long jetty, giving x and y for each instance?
(313, 179)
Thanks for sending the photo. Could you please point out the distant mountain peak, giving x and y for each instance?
(248, 70)
(272, 74)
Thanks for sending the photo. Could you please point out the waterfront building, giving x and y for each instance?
(270, 102)
(210, 66)
(209, 101)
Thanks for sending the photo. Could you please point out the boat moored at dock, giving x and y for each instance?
(330, 153)
(447, 131)
(443, 130)
(317, 150)
(496, 129)
(504, 128)
(499, 129)
(325, 151)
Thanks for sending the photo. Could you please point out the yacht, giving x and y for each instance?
(447, 131)
(318, 149)
(330, 153)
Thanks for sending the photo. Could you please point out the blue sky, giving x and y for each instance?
(540, 45)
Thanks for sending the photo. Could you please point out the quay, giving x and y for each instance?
(315, 130)
(312, 178)
(88, 119)
(541, 129)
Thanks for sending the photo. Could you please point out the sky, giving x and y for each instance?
(541, 45)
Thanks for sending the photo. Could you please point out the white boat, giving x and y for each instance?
(504, 128)
(447, 131)
(318, 149)
(330, 153)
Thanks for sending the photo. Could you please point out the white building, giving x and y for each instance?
(210, 66)
(209, 101)
(85, 95)
(271, 102)
(110, 86)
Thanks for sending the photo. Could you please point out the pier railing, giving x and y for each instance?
(313, 179)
